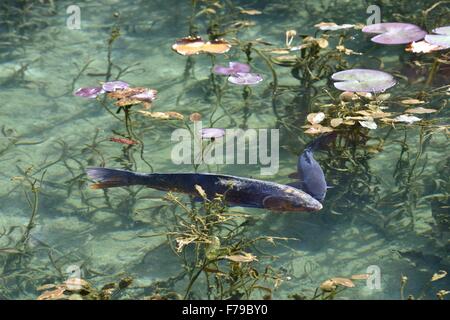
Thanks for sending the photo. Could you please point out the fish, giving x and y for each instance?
(310, 173)
(237, 191)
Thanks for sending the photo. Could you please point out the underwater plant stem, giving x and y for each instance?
(433, 71)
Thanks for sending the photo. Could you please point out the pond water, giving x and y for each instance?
(387, 211)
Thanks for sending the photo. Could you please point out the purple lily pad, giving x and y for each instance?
(441, 38)
(395, 32)
(233, 68)
(363, 80)
(112, 86)
(244, 79)
(89, 92)
(212, 133)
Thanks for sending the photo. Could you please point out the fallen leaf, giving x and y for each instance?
(343, 282)
(245, 257)
(370, 124)
(315, 118)
(420, 110)
(406, 119)
(336, 122)
(169, 115)
(412, 101)
(439, 275)
(317, 129)
(251, 12)
(195, 45)
(363, 276)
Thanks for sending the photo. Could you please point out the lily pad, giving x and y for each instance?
(395, 32)
(363, 80)
(441, 38)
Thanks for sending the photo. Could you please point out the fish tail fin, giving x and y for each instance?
(109, 178)
(321, 141)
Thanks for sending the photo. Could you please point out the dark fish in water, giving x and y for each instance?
(312, 178)
(237, 191)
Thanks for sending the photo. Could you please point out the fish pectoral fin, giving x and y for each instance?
(275, 203)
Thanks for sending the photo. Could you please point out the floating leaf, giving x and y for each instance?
(406, 119)
(112, 86)
(420, 110)
(363, 80)
(412, 101)
(331, 26)
(370, 124)
(317, 129)
(422, 47)
(439, 275)
(441, 38)
(343, 282)
(395, 32)
(169, 115)
(123, 141)
(336, 122)
(251, 12)
(363, 276)
(56, 294)
(245, 257)
(374, 114)
(195, 45)
(328, 285)
(315, 118)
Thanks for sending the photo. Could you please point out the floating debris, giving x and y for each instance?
(370, 124)
(395, 32)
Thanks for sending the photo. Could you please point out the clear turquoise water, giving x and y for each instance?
(49, 130)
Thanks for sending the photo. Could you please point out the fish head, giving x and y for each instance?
(292, 200)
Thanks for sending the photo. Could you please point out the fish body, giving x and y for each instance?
(237, 191)
(312, 178)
